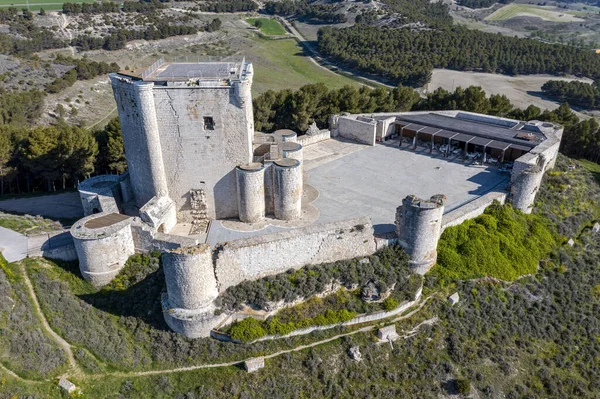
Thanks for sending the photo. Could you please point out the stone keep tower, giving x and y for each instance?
(186, 127)
(418, 226)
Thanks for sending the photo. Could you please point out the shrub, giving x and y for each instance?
(464, 386)
(502, 243)
(390, 304)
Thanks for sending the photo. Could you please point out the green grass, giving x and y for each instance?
(502, 243)
(28, 224)
(282, 64)
(593, 167)
(515, 10)
(269, 26)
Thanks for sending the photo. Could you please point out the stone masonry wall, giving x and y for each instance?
(363, 132)
(199, 158)
(256, 257)
(472, 209)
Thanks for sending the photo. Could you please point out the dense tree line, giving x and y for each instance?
(315, 103)
(43, 156)
(141, 6)
(408, 56)
(421, 11)
(322, 13)
(90, 8)
(481, 3)
(84, 69)
(20, 108)
(51, 157)
(227, 6)
(581, 94)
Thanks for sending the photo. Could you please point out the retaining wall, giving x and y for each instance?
(256, 257)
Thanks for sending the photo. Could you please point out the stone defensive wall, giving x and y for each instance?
(256, 257)
(101, 194)
(472, 209)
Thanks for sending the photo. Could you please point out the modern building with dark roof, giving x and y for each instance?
(527, 149)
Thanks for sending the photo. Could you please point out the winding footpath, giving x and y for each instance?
(75, 371)
(73, 367)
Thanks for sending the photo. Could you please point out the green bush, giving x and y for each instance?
(390, 304)
(464, 386)
(502, 243)
(247, 330)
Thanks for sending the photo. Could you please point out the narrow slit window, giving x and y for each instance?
(209, 123)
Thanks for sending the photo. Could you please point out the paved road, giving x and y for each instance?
(12, 245)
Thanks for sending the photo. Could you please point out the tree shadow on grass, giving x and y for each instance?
(140, 300)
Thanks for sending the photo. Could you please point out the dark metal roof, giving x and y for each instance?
(467, 127)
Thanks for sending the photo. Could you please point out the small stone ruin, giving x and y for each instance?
(255, 364)
(387, 333)
(67, 385)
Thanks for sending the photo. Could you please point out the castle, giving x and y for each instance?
(224, 203)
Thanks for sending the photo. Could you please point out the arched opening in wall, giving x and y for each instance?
(95, 211)
(161, 228)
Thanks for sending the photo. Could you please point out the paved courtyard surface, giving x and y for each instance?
(374, 180)
(12, 245)
(356, 180)
(57, 206)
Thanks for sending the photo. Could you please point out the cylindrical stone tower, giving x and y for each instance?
(190, 277)
(103, 243)
(292, 150)
(137, 113)
(251, 192)
(418, 225)
(283, 135)
(287, 179)
(525, 187)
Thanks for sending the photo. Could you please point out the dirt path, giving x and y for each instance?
(104, 118)
(73, 367)
(62, 25)
(272, 355)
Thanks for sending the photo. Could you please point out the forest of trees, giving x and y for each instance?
(434, 14)
(45, 158)
(481, 3)
(407, 56)
(320, 13)
(580, 94)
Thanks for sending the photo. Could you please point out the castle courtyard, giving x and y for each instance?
(356, 180)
